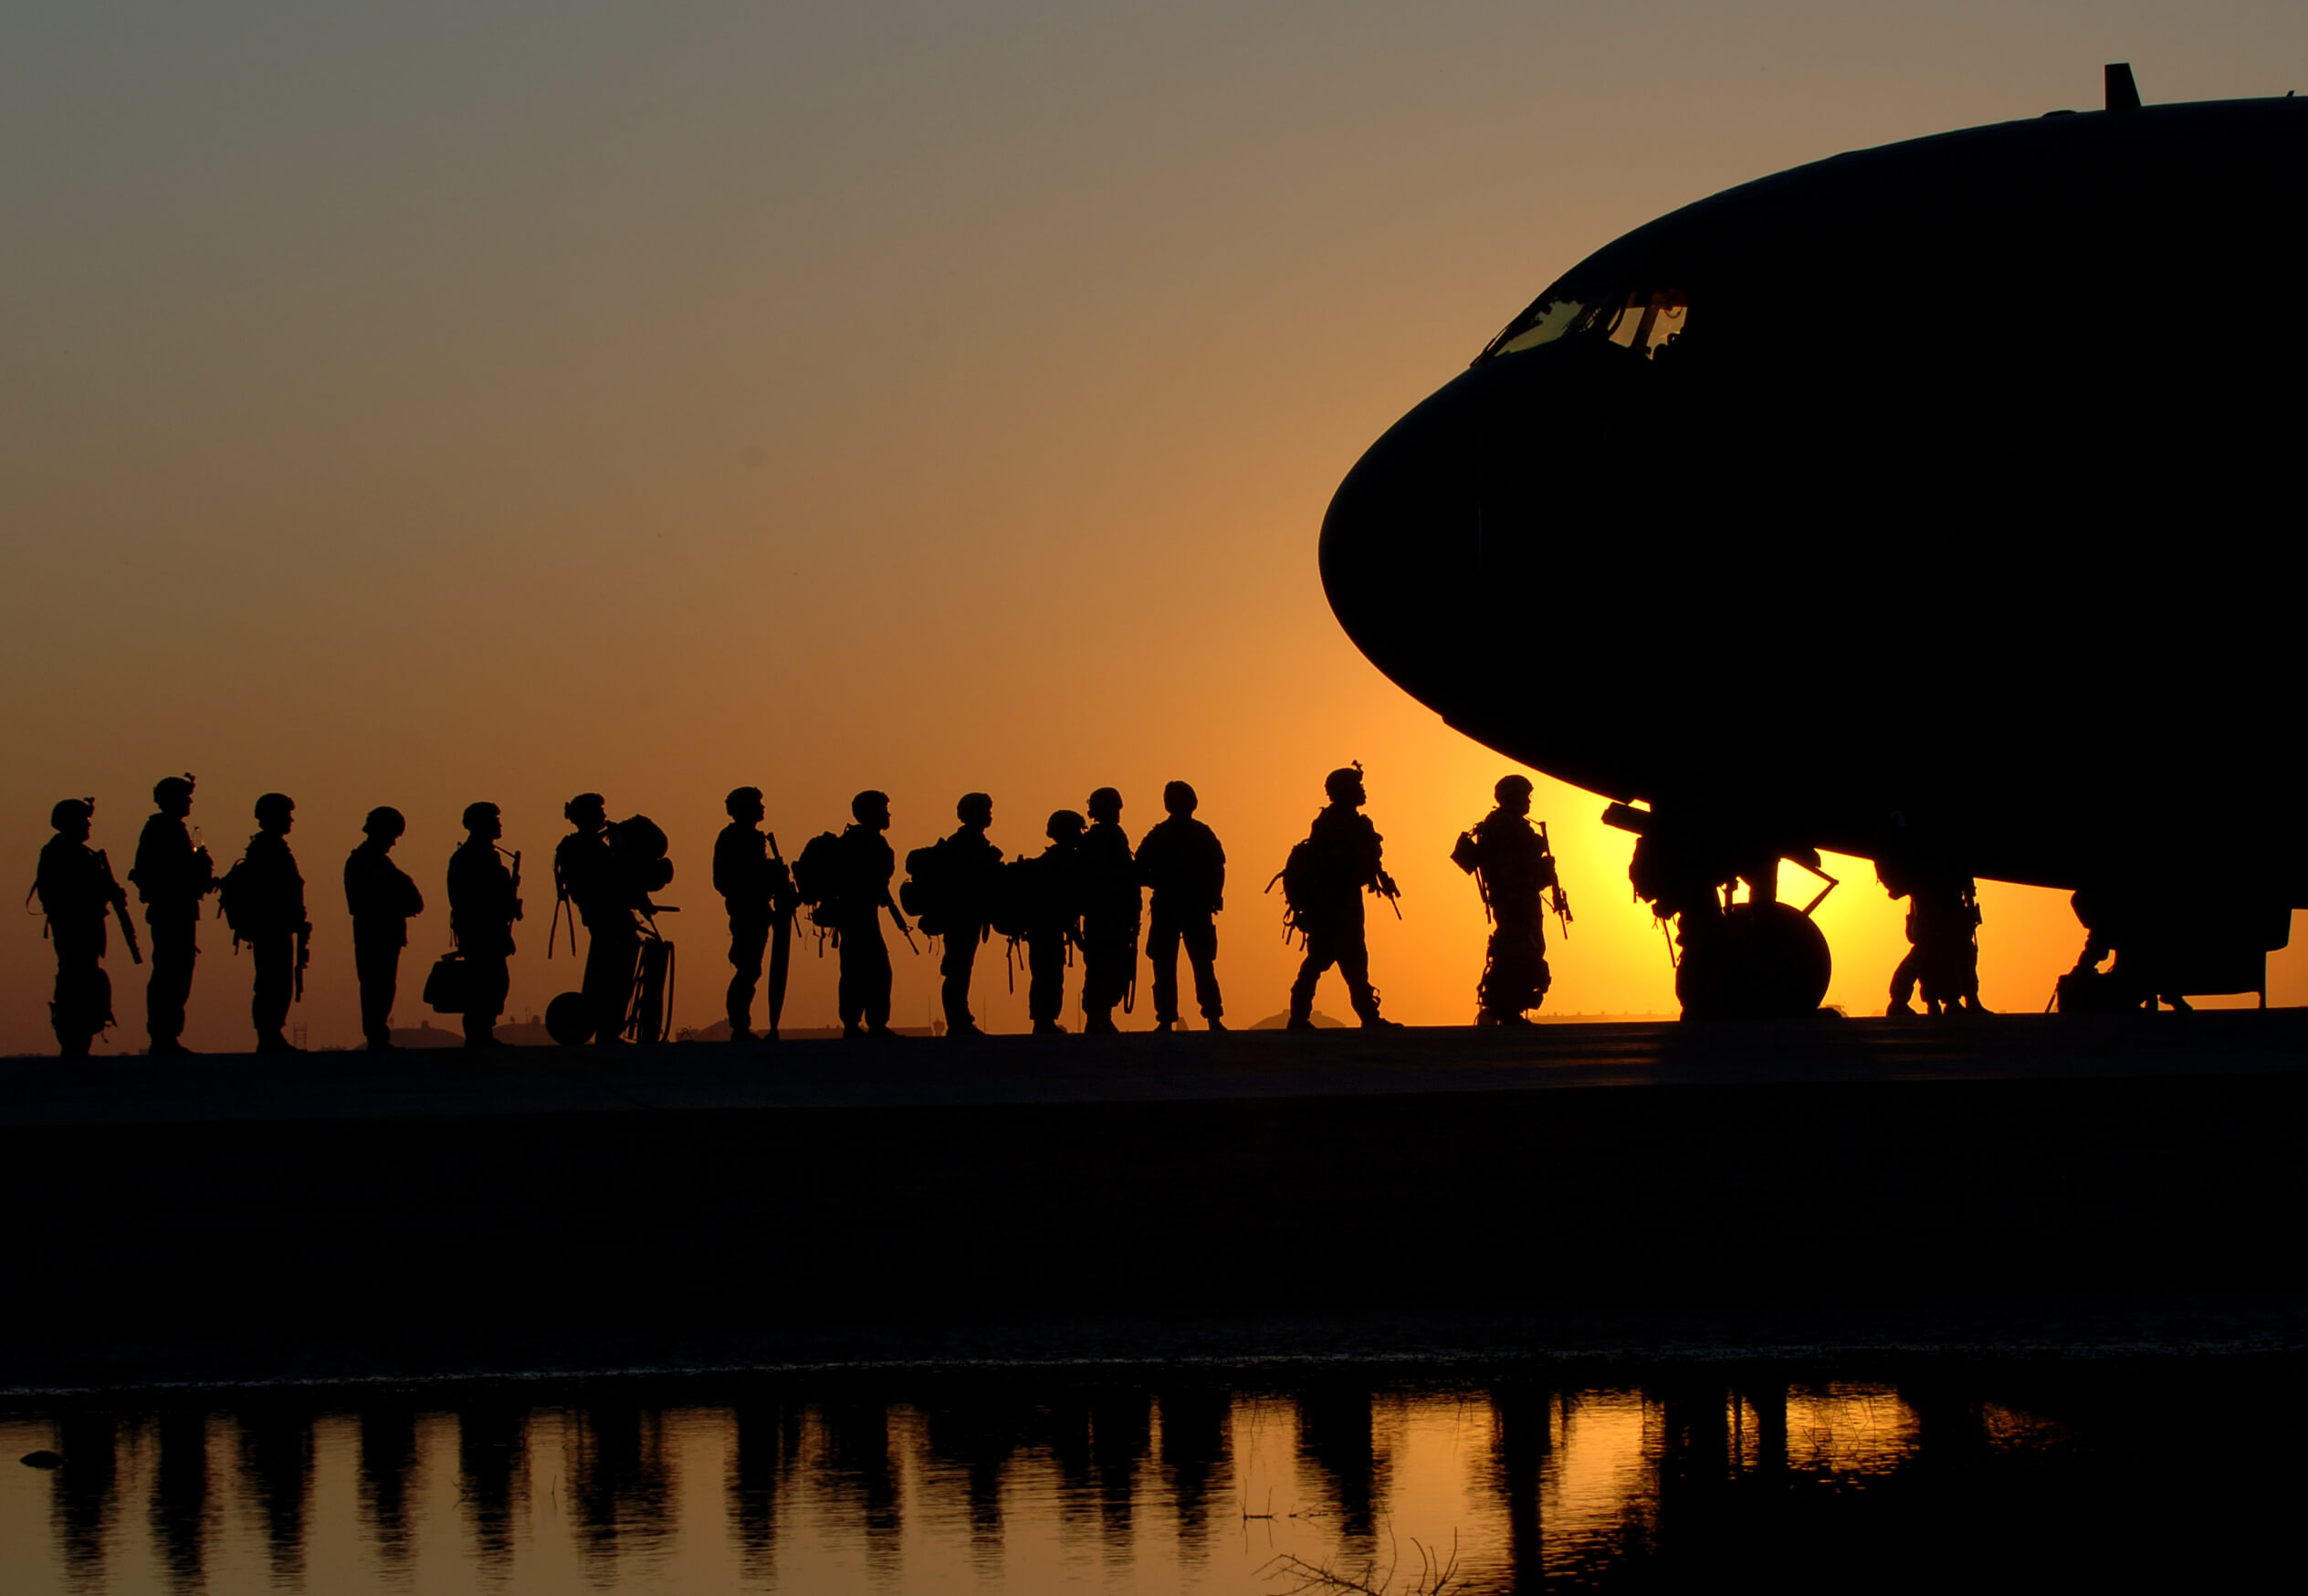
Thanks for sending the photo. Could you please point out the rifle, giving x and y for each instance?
(516, 856)
(1562, 899)
(890, 904)
(117, 897)
(1385, 889)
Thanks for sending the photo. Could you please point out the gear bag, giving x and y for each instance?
(924, 891)
(446, 989)
(817, 872)
(644, 844)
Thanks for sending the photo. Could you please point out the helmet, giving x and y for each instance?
(71, 812)
(476, 814)
(1344, 784)
(741, 800)
(169, 787)
(275, 808)
(1064, 824)
(1512, 787)
(975, 809)
(1179, 798)
(1106, 803)
(868, 803)
(586, 807)
(384, 821)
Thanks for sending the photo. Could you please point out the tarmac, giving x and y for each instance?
(2083, 1185)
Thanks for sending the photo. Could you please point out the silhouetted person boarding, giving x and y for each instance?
(1111, 910)
(1323, 884)
(1181, 861)
(1515, 869)
(756, 889)
(952, 886)
(264, 902)
(382, 900)
(485, 899)
(173, 873)
(77, 894)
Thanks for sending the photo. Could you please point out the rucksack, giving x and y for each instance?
(817, 872)
(235, 901)
(924, 891)
(644, 844)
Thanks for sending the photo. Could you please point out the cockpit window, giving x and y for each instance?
(1644, 320)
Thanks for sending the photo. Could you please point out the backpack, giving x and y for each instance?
(924, 891)
(236, 901)
(817, 871)
(644, 844)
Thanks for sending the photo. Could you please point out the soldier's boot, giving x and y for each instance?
(1099, 1023)
(1366, 1008)
(168, 1048)
(275, 1042)
(1048, 1028)
(967, 1029)
(1214, 1022)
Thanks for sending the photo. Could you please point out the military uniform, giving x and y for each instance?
(744, 875)
(969, 867)
(1111, 913)
(483, 905)
(586, 864)
(382, 898)
(1050, 890)
(77, 893)
(171, 875)
(1182, 860)
(1347, 859)
(1516, 869)
(269, 915)
(867, 865)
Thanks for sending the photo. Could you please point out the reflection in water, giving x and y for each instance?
(1690, 1477)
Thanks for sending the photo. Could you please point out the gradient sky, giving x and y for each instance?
(420, 404)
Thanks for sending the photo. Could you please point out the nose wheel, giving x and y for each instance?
(1753, 961)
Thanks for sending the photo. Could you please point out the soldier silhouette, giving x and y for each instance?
(77, 892)
(587, 872)
(865, 867)
(1180, 859)
(968, 873)
(1943, 955)
(1111, 908)
(264, 904)
(1515, 870)
(754, 888)
(382, 900)
(485, 899)
(1343, 859)
(173, 873)
(1050, 907)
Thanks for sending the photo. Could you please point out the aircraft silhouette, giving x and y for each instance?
(1919, 502)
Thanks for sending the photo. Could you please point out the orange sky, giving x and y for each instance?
(505, 402)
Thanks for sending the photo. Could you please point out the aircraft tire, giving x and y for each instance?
(1764, 961)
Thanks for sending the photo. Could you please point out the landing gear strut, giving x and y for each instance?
(1759, 959)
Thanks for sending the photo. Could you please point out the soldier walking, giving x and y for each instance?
(968, 869)
(1049, 907)
(1342, 860)
(1180, 859)
(78, 893)
(1111, 910)
(173, 873)
(382, 900)
(755, 889)
(587, 873)
(485, 899)
(1943, 926)
(1515, 869)
(264, 904)
(865, 869)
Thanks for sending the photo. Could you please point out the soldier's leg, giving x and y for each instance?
(488, 979)
(170, 985)
(1903, 980)
(608, 986)
(1320, 956)
(1354, 965)
(1162, 938)
(878, 978)
(1046, 981)
(955, 963)
(273, 954)
(377, 969)
(1201, 939)
(749, 939)
(850, 991)
(82, 1005)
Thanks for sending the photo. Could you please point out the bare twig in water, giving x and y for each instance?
(1437, 1574)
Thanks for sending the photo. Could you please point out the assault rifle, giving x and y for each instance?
(1385, 887)
(1562, 899)
(117, 895)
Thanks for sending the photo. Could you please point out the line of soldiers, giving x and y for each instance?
(1083, 893)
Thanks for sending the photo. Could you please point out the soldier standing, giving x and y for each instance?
(755, 888)
(265, 904)
(1051, 910)
(866, 866)
(1180, 859)
(1111, 908)
(1343, 860)
(968, 866)
(1943, 922)
(77, 892)
(485, 899)
(587, 873)
(382, 900)
(173, 873)
(1515, 870)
